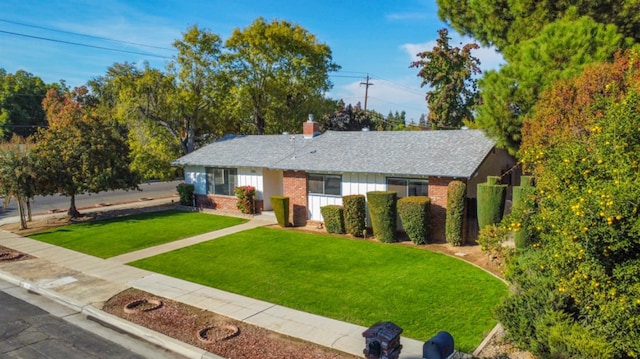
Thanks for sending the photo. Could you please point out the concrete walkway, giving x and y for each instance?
(84, 283)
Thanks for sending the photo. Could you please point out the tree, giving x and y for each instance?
(21, 96)
(346, 118)
(504, 23)
(449, 72)
(576, 288)
(200, 82)
(80, 152)
(17, 176)
(276, 67)
(422, 122)
(560, 51)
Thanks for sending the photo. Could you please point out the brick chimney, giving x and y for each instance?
(310, 128)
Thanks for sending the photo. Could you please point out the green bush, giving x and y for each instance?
(491, 201)
(280, 206)
(245, 195)
(333, 216)
(383, 212)
(185, 191)
(456, 197)
(355, 214)
(414, 213)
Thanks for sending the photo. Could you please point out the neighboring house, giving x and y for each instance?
(315, 170)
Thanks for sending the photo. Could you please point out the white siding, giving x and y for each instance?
(352, 183)
(251, 177)
(196, 176)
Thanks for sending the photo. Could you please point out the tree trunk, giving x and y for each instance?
(23, 222)
(259, 122)
(29, 218)
(73, 211)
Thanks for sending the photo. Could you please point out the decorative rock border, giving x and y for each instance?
(9, 255)
(219, 333)
(142, 305)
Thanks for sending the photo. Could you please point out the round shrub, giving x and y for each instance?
(414, 213)
(333, 216)
(185, 190)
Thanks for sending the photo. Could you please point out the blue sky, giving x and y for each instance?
(375, 37)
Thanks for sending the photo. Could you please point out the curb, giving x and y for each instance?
(113, 321)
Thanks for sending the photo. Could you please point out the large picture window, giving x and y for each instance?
(221, 181)
(408, 186)
(324, 184)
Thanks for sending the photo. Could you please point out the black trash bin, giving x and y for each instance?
(438, 347)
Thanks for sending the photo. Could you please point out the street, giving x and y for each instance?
(33, 327)
(41, 205)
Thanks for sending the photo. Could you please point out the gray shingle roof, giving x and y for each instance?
(455, 153)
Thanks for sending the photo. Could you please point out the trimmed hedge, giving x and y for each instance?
(333, 216)
(456, 196)
(414, 213)
(521, 198)
(491, 201)
(383, 212)
(280, 206)
(355, 214)
(185, 191)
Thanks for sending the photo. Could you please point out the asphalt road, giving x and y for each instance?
(30, 332)
(45, 204)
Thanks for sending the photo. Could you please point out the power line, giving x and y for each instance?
(84, 45)
(85, 35)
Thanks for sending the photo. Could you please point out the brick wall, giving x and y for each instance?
(223, 203)
(438, 195)
(295, 187)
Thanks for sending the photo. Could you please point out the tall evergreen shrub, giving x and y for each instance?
(414, 213)
(491, 200)
(355, 214)
(456, 197)
(383, 212)
(522, 200)
(280, 206)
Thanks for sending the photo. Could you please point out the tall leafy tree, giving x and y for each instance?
(449, 72)
(276, 69)
(560, 51)
(21, 96)
(18, 176)
(80, 152)
(577, 288)
(200, 82)
(508, 22)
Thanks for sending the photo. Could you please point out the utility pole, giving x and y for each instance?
(366, 92)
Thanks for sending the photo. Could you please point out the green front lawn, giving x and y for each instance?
(112, 237)
(356, 281)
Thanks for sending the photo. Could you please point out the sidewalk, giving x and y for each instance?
(84, 283)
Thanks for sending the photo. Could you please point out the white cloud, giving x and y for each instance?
(386, 95)
(407, 16)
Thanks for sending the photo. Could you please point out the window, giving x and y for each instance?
(324, 184)
(221, 180)
(408, 186)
